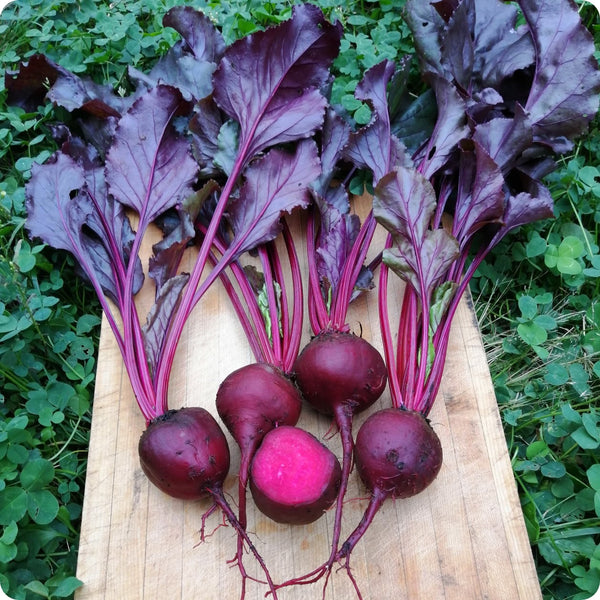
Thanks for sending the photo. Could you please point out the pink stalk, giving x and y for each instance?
(295, 331)
(238, 306)
(273, 305)
(192, 292)
(352, 266)
(442, 335)
(386, 335)
(407, 357)
(278, 276)
(424, 353)
(129, 341)
(256, 335)
(318, 312)
(281, 349)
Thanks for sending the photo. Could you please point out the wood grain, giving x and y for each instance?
(463, 538)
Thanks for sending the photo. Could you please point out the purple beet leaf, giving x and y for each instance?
(374, 147)
(189, 64)
(509, 98)
(275, 184)
(149, 167)
(289, 64)
(564, 93)
(404, 203)
(337, 242)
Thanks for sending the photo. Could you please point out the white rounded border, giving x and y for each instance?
(596, 3)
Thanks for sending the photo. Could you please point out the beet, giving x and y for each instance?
(339, 374)
(185, 454)
(338, 369)
(252, 401)
(294, 478)
(397, 452)
(397, 455)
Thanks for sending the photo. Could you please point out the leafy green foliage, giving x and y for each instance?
(374, 31)
(535, 322)
(539, 310)
(558, 472)
(48, 343)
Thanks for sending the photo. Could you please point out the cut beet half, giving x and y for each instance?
(294, 478)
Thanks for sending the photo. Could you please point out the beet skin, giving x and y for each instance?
(397, 452)
(340, 369)
(184, 453)
(254, 399)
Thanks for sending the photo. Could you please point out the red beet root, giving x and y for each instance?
(294, 478)
(338, 369)
(339, 374)
(397, 455)
(185, 454)
(252, 401)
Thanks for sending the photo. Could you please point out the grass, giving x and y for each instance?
(537, 299)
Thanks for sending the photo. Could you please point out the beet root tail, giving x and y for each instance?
(343, 555)
(219, 498)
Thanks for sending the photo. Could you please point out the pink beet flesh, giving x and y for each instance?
(294, 478)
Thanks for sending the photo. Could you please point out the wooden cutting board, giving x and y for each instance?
(463, 538)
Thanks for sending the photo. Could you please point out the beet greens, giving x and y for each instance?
(79, 202)
(133, 155)
(120, 154)
(508, 98)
